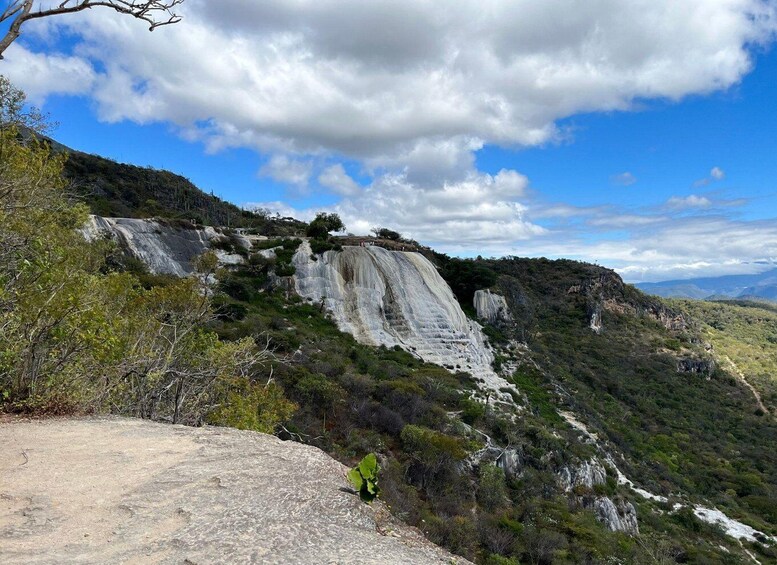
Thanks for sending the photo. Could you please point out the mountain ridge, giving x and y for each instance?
(762, 285)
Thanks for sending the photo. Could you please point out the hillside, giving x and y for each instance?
(631, 379)
(113, 189)
(522, 410)
(763, 285)
(744, 337)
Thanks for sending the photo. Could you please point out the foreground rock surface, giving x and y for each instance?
(114, 490)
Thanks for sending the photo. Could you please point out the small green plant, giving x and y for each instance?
(364, 478)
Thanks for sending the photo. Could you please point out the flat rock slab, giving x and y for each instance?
(115, 490)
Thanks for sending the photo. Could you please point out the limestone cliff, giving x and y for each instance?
(163, 247)
(491, 306)
(395, 298)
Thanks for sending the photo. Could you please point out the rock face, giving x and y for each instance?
(511, 462)
(697, 366)
(618, 518)
(586, 474)
(164, 249)
(131, 491)
(395, 298)
(595, 319)
(491, 307)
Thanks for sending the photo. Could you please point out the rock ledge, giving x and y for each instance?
(115, 490)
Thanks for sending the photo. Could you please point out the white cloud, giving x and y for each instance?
(40, 75)
(403, 84)
(659, 245)
(337, 180)
(623, 179)
(691, 201)
(411, 89)
(716, 174)
(478, 212)
(288, 171)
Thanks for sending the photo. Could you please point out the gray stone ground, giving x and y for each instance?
(114, 490)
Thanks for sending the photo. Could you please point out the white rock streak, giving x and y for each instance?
(490, 306)
(164, 249)
(394, 298)
(732, 527)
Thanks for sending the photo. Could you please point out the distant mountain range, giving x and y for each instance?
(763, 285)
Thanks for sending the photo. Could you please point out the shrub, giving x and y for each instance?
(253, 406)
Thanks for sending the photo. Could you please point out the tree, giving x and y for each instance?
(15, 114)
(155, 13)
(324, 223)
(385, 233)
(81, 334)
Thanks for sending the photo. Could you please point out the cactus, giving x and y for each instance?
(364, 478)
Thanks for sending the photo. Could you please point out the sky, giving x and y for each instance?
(636, 134)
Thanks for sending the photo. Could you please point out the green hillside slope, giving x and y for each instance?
(744, 337)
(482, 479)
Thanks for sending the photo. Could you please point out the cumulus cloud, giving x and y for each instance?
(480, 211)
(410, 90)
(337, 180)
(40, 75)
(716, 174)
(623, 179)
(647, 246)
(401, 83)
(288, 171)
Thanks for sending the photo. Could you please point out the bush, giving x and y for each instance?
(253, 406)
(385, 233)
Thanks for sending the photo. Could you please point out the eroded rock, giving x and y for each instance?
(120, 490)
(618, 518)
(491, 307)
(393, 298)
(163, 247)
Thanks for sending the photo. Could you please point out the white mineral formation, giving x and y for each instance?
(732, 527)
(394, 298)
(490, 306)
(618, 518)
(165, 249)
(586, 474)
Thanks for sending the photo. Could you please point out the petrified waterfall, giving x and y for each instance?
(393, 298)
(162, 247)
(491, 306)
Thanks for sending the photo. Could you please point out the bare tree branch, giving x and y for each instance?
(156, 13)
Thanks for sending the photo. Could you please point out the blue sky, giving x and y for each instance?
(550, 130)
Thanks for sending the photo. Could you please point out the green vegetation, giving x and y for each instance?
(698, 434)
(385, 233)
(744, 339)
(324, 223)
(86, 329)
(364, 478)
(114, 189)
(465, 276)
(319, 230)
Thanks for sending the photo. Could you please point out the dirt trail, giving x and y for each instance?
(747, 384)
(111, 490)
